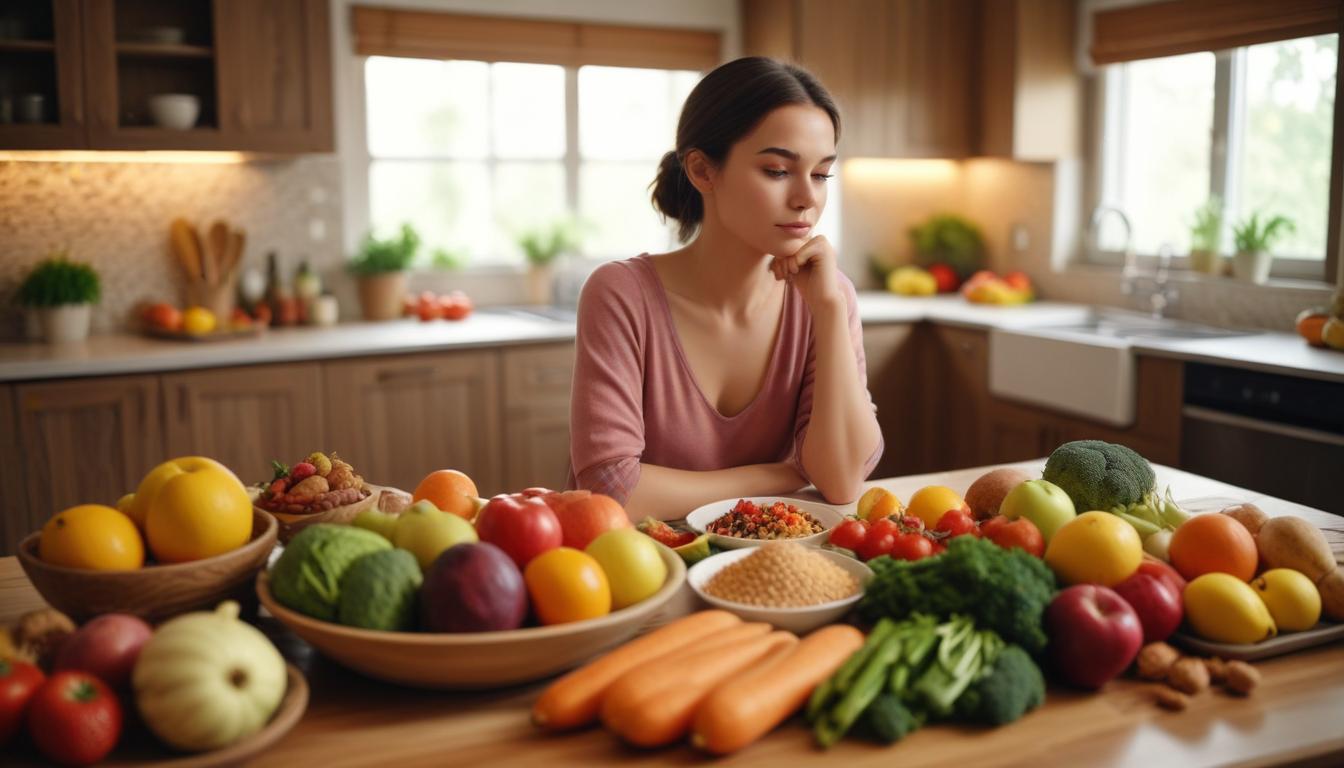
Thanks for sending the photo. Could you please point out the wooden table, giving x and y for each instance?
(1295, 717)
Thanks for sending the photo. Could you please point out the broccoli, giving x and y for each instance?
(1013, 687)
(888, 720)
(1005, 590)
(1100, 475)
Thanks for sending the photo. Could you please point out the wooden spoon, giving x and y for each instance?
(216, 251)
(187, 247)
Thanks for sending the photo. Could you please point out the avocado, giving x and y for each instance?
(379, 590)
(307, 576)
(695, 551)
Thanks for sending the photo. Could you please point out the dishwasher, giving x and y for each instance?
(1279, 435)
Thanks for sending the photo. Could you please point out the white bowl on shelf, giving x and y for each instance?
(700, 518)
(177, 111)
(797, 620)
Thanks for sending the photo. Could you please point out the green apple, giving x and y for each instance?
(425, 531)
(377, 521)
(631, 561)
(1042, 502)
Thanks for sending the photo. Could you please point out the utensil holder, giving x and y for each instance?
(219, 298)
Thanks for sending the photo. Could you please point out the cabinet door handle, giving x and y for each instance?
(405, 374)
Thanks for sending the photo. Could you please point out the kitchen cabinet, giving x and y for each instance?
(900, 70)
(41, 75)
(961, 397)
(245, 417)
(15, 519)
(84, 441)
(1029, 87)
(396, 419)
(261, 73)
(537, 382)
(892, 355)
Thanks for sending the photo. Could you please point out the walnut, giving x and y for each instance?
(1217, 670)
(1155, 661)
(1172, 699)
(1189, 676)
(1242, 678)
(39, 634)
(312, 485)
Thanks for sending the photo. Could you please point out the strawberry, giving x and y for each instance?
(302, 470)
(277, 487)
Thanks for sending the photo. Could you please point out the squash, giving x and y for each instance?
(206, 680)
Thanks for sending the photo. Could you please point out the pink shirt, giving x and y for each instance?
(635, 400)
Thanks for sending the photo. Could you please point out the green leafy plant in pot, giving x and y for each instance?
(949, 239)
(1254, 237)
(60, 294)
(1205, 237)
(542, 246)
(380, 269)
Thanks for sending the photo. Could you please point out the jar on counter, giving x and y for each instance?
(325, 310)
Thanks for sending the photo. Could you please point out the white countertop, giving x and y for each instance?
(1284, 353)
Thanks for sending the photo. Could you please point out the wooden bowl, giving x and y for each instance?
(381, 497)
(154, 592)
(476, 660)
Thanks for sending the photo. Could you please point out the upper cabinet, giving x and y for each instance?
(243, 75)
(1029, 87)
(901, 70)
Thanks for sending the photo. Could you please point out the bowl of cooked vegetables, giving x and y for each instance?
(751, 521)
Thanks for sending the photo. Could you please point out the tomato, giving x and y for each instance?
(74, 718)
(885, 525)
(955, 522)
(19, 680)
(522, 526)
(912, 523)
(456, 305)
(876, 544)
(1020, 533)
(849, 534)
(567, 585)
(911, 546)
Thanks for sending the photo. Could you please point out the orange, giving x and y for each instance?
(1311, 325)
(1094, 548)
(92, 536)
(1213, 544)
(194, 508)
(877, 502)
(450, 491)
(567, 585)
(931, 502)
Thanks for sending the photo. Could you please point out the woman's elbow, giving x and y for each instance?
(841, 491)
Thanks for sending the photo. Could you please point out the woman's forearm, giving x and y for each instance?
(668, 494)
(842, 433)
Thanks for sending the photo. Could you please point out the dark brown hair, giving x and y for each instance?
(725, 106)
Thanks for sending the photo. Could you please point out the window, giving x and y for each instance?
(1251, 126)
(474, 154)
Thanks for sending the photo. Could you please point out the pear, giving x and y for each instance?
(426, 531)
(377, 521)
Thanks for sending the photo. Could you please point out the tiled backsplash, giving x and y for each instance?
(115, 216)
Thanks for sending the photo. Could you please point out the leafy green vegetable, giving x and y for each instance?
(1004, 590)
(58, 281)
(1013, 687)
(889, 720)
(949, 239)
(1099, 475)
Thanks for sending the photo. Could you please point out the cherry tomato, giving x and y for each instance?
(912, 523)
(876, 544)
(911, 546)
(849, 534)
(1020, 533)
(19, 680)
(74, 718)
(955, 522)
(885, 525)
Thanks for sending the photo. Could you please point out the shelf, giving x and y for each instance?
(164, 51)
(27, 46)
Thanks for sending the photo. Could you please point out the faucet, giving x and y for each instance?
(1163, 294)
(1127, 273)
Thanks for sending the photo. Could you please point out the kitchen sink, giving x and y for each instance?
(1084, 368)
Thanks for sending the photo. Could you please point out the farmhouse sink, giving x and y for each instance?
(1085, 368)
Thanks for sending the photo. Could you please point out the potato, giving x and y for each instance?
(1249, 515)
(1332, 595)
(1291, 542)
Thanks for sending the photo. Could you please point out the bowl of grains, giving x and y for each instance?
(791, 586)
(751, 521)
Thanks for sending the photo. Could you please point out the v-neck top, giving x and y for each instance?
(635, 399)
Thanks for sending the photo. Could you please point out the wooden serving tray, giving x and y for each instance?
(1323, 633)
(231, 334)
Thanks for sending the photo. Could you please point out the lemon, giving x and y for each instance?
(198, 321)
(1222, 608)
(1291, 598)
(931, 502)
(92, 536)
(1094, 548)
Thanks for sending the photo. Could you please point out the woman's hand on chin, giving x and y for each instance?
(812, 269)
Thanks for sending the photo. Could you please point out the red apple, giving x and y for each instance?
(522, 526)
(106, 647)
(1159, 606)
(1164, 571)
(585, 515)
(1094, 634)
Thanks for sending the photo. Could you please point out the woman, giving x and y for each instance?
(733, 366)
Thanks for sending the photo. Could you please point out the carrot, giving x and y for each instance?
(664, 713)
(742, 710)
(574, 700)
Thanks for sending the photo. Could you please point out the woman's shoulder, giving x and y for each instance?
(619, 286)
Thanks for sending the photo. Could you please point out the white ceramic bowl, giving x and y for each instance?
(700, 518)
(796, 620)
(174, 110)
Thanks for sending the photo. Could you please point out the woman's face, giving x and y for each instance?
(771, 189)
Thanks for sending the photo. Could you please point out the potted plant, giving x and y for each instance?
(949, 239)
(1205, 237)
(1254, 238)
(542, 246)
(380, 268)
(61, 293)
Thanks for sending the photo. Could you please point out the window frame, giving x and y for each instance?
(1230, 70)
